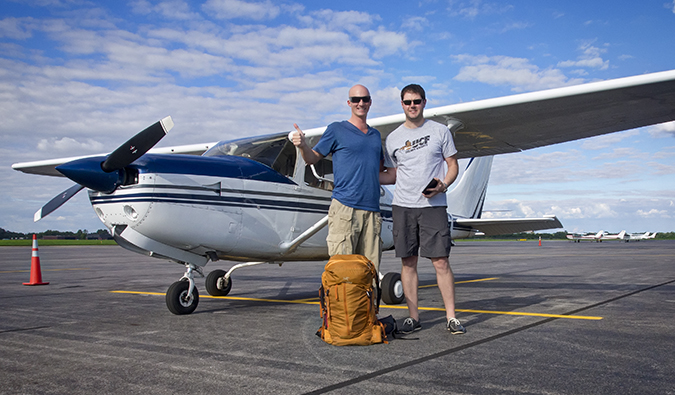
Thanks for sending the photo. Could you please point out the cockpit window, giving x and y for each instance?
(275, 151)
(323, 168)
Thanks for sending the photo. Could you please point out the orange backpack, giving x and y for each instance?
(348, 304)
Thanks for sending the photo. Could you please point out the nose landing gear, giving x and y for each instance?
(182, 296)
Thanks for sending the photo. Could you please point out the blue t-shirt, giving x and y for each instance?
(356, 164)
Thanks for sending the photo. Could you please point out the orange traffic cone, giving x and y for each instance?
(35, 272)
(539, 241)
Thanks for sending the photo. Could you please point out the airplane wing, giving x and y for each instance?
(529, 120)
(515, 123)
(493, 227)
(48, 167)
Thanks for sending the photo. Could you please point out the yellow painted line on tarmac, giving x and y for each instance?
(575, 317)
(462, 282)
(299, 301)
(316, 302)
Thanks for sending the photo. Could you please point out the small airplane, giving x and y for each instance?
(641, 236)
(619, 236)
(577, 238)
(254, 201)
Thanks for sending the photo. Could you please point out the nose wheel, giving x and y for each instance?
(182, 296)
(180, 300)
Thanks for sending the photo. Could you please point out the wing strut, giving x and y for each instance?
(289, 246)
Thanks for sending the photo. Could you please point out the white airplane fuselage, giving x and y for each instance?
(245, 214)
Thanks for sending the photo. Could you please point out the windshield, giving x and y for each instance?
(275, 151)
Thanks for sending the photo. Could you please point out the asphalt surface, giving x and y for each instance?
(561, 318)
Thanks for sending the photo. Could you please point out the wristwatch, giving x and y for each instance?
(445, 186)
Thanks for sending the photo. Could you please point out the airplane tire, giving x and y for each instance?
(212, 283)
(177, 299)
(392, 289)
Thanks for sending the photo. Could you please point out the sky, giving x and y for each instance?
(80, 77)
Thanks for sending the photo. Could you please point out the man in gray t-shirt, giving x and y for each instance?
(415, 154)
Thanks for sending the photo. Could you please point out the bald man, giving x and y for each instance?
(354, 221)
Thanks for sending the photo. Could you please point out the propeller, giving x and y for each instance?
(105, 174)
(57, 202)
(138, 145)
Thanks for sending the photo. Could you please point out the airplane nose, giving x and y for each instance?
(88, 172)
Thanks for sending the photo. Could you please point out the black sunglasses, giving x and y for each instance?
(357, 99)
(409, 102)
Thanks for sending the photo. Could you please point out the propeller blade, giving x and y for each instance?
(138, 145)
(57, 202)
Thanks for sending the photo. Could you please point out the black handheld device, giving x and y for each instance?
(431, 185)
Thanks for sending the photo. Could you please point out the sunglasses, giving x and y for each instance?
(409, 102)
(357, 99)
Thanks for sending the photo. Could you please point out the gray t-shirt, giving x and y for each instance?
(418, 156)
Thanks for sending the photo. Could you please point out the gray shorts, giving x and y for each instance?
(424, 229)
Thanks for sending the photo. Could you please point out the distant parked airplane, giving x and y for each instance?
(620, 236)
(641, 236)
(575, 237)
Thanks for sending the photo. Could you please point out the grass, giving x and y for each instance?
(29, 243)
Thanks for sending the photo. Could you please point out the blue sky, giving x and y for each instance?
(80, 77)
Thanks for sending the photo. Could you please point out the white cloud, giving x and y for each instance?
(385, 42)
(590, 58)
(69, 147)
(231, 9)
(172, 9)
(473, 8)
(14, 28)
(351, 21)
(608, 140)
(662, 130)
(416, 23)
(653, 213)
(504, 70)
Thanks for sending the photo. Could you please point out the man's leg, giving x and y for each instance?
(446, 283)
(340, 233)
(370, 242)
(410, 283)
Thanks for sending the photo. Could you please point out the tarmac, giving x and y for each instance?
(560, 318)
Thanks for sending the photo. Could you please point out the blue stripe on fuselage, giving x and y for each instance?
(215, 166)
(248, 200)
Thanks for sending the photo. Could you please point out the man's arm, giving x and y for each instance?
(309, 155)
(453, 170)
(387, 175)
(450, 177)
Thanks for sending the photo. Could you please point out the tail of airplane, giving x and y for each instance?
(467, 198)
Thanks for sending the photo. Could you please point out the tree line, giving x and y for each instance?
(81, 234)
(103, 234)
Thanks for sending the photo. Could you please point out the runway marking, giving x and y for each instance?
(443, 353)
(462, 282)
(313, 302)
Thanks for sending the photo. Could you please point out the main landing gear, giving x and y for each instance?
(392, 288)
(182, 296)
(217, 284)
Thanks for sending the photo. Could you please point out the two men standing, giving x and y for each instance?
(415, 153)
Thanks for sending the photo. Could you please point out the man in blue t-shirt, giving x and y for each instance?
(354, 221)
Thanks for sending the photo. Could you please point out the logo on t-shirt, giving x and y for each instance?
(414, 145)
